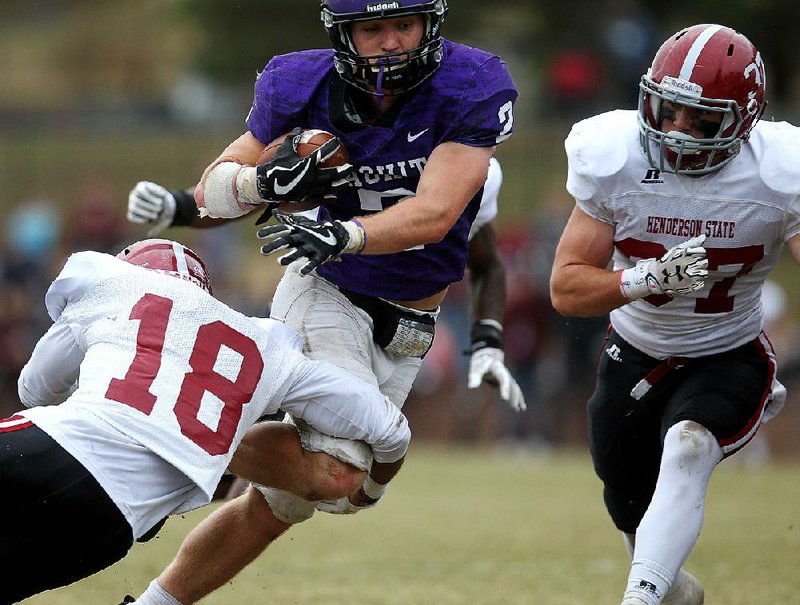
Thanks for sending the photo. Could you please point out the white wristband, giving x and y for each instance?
(247, 186)
(633, 282)
(372, 489)
(358, 237)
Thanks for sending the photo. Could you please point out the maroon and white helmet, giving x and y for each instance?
(166, 256)
(711, 68)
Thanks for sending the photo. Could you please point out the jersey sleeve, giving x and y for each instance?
(51, 374)
(487, 106)
(340, 405)
(258, 120)
(283, 92)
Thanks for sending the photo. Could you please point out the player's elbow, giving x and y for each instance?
(563, 301)
(438, 226)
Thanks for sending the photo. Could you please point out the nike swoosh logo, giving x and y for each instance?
(329, 239)
(414, 137)
(284, 189)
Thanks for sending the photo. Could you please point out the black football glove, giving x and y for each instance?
(316, 242)
(289, 178)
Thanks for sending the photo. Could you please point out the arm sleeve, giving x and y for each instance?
(341, 405)
(51, 374)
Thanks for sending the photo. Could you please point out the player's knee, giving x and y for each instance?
(332, 478)
(687, 443)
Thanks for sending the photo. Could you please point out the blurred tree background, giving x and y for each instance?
(98, 95)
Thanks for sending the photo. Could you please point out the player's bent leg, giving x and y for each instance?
(217, 549)
(671, 525)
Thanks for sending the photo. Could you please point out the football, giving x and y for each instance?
(310, 140)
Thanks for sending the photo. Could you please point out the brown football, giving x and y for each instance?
(309, 141)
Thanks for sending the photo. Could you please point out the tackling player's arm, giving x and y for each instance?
(51, 374)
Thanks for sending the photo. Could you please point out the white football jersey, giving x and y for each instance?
(169, 381)
(747, 210)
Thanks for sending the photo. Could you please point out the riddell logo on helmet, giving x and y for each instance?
(683, 87)
(382, 6)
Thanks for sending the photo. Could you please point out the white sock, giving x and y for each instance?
(156, 595)
(648, 581)
(671, 525)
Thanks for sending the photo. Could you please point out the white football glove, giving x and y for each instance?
(487, 365)
(342, 506)
(372, 493)
(149, 203)
(680, 272)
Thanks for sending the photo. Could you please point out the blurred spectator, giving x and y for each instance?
(31, 237)
(573, 79)
(97, 221)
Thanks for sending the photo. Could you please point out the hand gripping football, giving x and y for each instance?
(309, 141)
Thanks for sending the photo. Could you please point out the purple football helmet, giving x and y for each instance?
(390, 74)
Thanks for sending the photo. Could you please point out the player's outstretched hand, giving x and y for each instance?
(290, 178)
(487, 365)
(151, 204)
(304, 238)
(681, 271)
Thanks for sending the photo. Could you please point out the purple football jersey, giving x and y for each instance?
(468, 100)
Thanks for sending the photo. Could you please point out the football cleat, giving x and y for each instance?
(128, 599)
(685, 590)
(633, 601)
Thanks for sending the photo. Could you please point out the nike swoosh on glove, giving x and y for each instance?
(304, 238)
(290, 178)
(487, 365)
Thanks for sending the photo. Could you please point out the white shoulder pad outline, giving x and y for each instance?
(779, 163)
(598, 147)
(80, 273)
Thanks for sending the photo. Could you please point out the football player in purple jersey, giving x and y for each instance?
(682, 210)
(420, 117)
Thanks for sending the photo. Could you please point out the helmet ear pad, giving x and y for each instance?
(711, 68)
(389, 74)
(166, 256)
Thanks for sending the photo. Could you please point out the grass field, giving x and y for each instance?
(467, 526)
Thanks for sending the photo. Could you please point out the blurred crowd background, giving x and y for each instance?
(95, 96)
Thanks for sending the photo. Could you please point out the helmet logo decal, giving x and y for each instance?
(381, 6)
(682, 87)
(757, 69)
